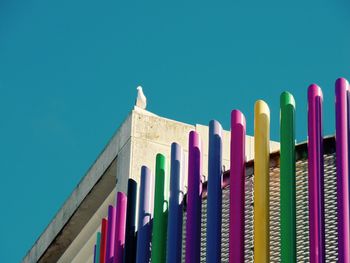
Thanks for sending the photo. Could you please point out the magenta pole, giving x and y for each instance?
(237, 187)
(341, 87)
(316, 176)
(194, 199)
(120, 227)
(110, 234)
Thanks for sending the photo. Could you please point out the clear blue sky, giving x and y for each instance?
(69, 71)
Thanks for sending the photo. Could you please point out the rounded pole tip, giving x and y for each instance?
(160, 160)
(215, 127)
(176, 151)
(341, 84)
(314, 91)
(195, 139)
(261, 107)
(237, 117)
(160, 156)
(287, 99)
(145, 169)
(121, 196)
(175, 146)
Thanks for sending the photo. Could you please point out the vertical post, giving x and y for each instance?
(98, 247)
(144, 233)
(287, 179)
(104, 228)
(348, 133)
(261, 182)
(316, 175)
(110, 234)
(237, 187)
(94, 259)
(194, 199)
(160, 215)
(341, 87)
(119, 243)
(130, 232)
(214, 197)
(174, 242)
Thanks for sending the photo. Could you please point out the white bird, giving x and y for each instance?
(141, 100)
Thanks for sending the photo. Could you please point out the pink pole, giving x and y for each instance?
(316, 176)
(341, 87)
(110, 234)
(120, 227)
(237, 187)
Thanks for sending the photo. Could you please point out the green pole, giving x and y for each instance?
(287, 179)
(160, 213)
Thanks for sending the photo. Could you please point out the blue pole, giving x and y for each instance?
(144, 235)
(174, 244)
(214, 197)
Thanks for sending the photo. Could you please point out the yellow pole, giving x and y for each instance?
(261, 182)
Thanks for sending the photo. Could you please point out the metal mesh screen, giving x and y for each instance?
(302, 214)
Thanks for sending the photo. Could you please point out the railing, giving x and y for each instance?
(290, 206)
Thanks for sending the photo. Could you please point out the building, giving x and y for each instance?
(71, 234)
(293, 199)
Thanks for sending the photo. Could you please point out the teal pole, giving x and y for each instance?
(98, 247)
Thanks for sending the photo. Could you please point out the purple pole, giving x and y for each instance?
(341, 87)
(237, 187)
(110, 234)
(95, 254)
(316, 176)
(194, 199)
(120, 227)
(144, 233)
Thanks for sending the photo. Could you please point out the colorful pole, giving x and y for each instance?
(316, 176)
(104, 227)
(237, 187)
(144, 233)
(119, 244)
(214, 197)
(97, 247)
(287, 179)
(174, 242)
(130, 238)
(194, 199)
(341, 88)
(261, 182)
(94, 254)
(160, 217)
(110, 235)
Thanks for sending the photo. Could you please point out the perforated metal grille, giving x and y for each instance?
(301, 209)
(302, 213)
(331, 208)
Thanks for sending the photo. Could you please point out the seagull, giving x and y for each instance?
(141, 100)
